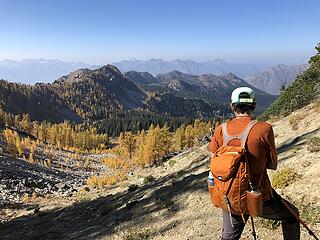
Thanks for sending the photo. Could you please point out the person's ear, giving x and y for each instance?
(231, 107)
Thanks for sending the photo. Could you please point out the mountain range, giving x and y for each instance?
(270, 79)
(95, 94)
(41, 70)
(33, 71)
(217, 67)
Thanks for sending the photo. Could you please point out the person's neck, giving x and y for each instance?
(242, 115)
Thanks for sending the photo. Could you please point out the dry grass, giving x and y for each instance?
(273, 119)
(270, 224)
(139, 234)
(314, 144)
(295, 121)
(310, 214)
(284, 177)
(316, 106)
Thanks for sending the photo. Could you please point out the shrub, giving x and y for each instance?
(142, 234)
(148, 179)
(270, 224)
(314, 144)
(172, 163)
(284, 177)
(92, 181)
(116, 163)
(105, 180)
(295, 121)
(25, 198)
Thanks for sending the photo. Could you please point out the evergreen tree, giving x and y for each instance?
(139, 151)
(26, 123)
(127, 143)
(18, 145)
(32, 153)
(179, 138)
(189, 136)
(11, 142)
(164, 141)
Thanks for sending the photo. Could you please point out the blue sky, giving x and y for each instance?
(96, 31)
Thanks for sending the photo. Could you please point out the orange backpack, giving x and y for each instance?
(230, 170)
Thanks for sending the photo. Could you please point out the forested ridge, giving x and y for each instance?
(92, 95)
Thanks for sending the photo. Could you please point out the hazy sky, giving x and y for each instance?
(103, 31)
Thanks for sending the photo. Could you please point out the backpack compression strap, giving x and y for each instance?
(242, 136)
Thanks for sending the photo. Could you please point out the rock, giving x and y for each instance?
(36, 210)
(62, 186)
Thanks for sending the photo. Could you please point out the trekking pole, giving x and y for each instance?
(253, 229)
(310, 232)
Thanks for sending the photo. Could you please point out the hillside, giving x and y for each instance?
(272, 79)
(39, 101)
(175, 204)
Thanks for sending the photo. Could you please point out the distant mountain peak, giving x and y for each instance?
(111, 68)
(274, 77)
(230, 75)
(175, 72)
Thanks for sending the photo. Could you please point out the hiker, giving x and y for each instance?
(260, 155)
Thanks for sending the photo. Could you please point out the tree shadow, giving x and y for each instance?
(14, 168)
(98, 218)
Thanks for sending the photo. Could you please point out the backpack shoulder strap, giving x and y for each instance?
(244, 135)
(226, 137)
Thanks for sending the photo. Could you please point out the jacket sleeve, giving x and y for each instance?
(271, 151)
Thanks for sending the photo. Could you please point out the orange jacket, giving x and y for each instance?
(261, 150)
